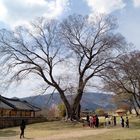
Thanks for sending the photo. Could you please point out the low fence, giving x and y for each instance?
(15, 121)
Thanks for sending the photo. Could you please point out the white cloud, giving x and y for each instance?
(3, 10)
(136, 3)
(33, 2)
(18, 11)
(105, 6)
(56, 8)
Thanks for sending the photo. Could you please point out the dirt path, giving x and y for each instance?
(75, 134)
(64, 136)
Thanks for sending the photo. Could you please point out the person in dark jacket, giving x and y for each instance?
(122, 121)
(22, 128)
(87, 119)
(127, 122)
(97, 122)
(114, 120)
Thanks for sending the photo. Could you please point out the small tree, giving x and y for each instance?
(53, 112)
(100, 112)
(62, 110)
(123, 101)
(123, 78)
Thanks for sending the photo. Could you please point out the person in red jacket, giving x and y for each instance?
(94, 121)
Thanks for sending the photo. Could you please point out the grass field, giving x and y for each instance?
(73, 131)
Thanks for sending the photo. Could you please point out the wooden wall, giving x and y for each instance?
(15, 121)
(16, 113)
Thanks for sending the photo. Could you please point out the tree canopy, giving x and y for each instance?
(84, 45)
(123, 77)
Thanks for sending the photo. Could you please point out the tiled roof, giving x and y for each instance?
(4, 105)
(35, 108)
(17, 104)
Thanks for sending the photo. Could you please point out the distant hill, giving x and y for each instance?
(90, 100)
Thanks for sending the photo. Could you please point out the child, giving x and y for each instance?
(127, 122)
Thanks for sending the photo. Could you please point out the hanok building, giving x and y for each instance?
(16, 108)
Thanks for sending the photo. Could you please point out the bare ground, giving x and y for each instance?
(64, 135)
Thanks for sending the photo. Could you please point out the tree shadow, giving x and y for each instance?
(28, 138)
(135, 125)
(8, 133)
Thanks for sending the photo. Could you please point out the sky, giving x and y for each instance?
(17, 12)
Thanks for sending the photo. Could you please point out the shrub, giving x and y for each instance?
(100, 112)
(62, 110)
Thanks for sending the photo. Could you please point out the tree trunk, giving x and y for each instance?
(130, 112)
(79, 111)
(137, 113)
(66, 103)
(72, 111)
(76, 108)
(136, 101)
(76, 112)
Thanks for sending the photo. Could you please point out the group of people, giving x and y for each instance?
(112, 121)
(93, 121)
(124, 123)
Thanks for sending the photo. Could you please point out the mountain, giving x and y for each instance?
(90, 100)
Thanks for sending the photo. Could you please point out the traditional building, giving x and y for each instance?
(16, 108)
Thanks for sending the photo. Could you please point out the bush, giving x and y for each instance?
(62, 110)
(100, 112)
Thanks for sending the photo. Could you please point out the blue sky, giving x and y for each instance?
(17, 12)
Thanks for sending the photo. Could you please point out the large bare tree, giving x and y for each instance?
(94, 46)
(86, 44)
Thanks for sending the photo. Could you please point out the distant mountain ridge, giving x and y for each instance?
(90, 100)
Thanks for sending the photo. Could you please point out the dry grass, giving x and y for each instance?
(73, 131)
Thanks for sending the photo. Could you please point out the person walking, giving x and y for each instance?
(91, 121)
(87, 119)
(106, 120)
(114, 120)
(97, 122)
(122, 121)
(94, 121)
(127, 122)
(22, 128)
